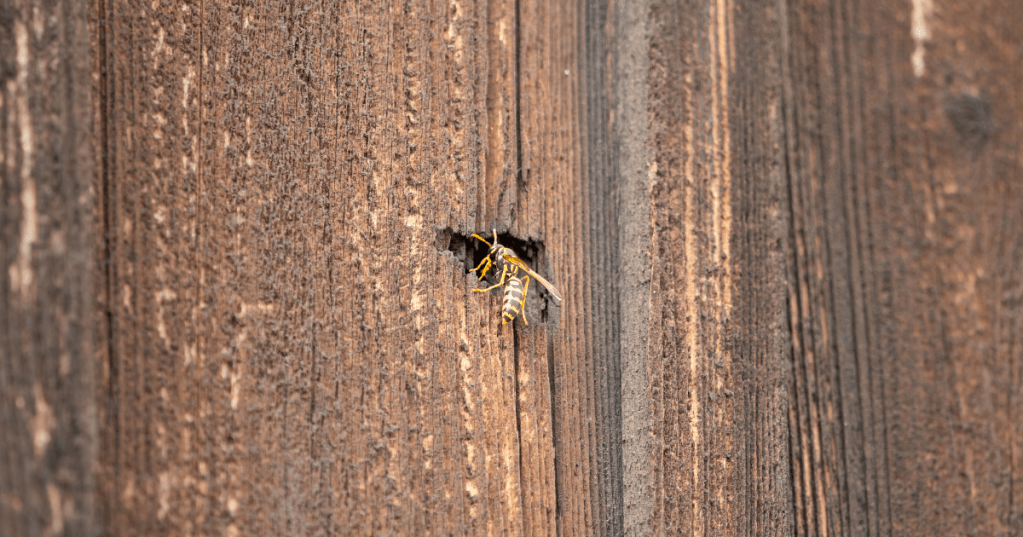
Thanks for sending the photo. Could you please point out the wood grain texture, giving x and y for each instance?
(292, 346)
(536, 434)
(706, 389)
(905, 293)
(602, 219)
(559, 198)
(293, 349)
(48, 435)
(787, 234)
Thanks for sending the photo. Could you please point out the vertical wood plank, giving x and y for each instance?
(293, 348)
(503, 121)
(48, 444)
(536, 433)
(703, 224)
(904, 203)
(553, 204)
(604, 258)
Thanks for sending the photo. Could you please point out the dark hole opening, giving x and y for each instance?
(470, 251)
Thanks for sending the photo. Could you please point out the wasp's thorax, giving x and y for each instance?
(498, 249)
(498, 253)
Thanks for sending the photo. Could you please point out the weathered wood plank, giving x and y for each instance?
(293, 348)
(705, 356)
(503, 122)
(603, 260)
(553, 204)
(536, 432)
(48, 437)
(786, 234)
(905, 291)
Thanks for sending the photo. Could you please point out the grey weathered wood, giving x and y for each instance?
(705, 360)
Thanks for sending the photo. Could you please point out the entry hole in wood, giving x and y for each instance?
(469, 253)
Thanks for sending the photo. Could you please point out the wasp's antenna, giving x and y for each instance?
(482, 239)
(495, 236)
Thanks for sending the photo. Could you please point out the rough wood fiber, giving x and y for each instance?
(705, 392)
(539, 502)
(548, 205)
(904, 155)
(600, 188)
(787, 234)
(565, 198)
(561, 198)
(47, 372)
(499, 192)
(293, 349)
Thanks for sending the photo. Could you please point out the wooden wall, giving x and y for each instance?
(236, 297)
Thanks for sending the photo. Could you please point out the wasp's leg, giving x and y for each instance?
(525, 293)
(490, 263)
(486, 260)
(504, 274)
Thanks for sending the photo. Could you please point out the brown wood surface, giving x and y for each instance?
(48, 427)
(706, 394)
(787, 233)
(294, 349)
(903, 136)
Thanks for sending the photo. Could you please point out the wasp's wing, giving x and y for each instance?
(522, 265)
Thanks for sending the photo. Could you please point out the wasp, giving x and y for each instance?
(515, 287)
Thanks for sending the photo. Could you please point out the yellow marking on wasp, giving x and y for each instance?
(525, 287)
(510, 300)
(504, 275)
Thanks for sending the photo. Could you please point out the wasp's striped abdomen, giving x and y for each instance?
(514, 299)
